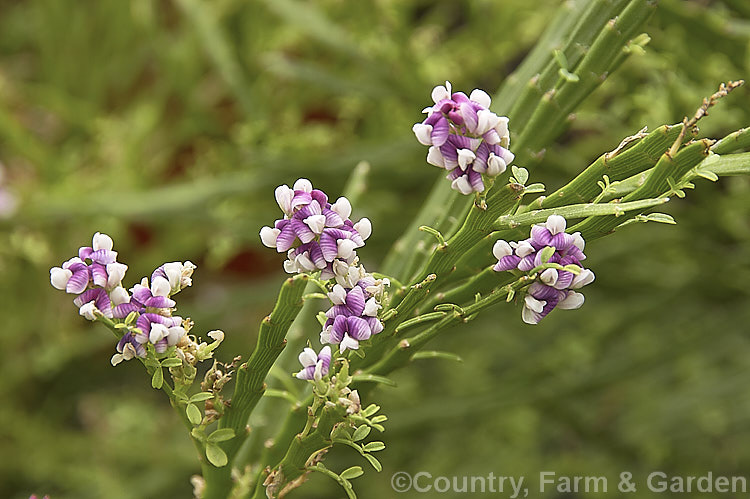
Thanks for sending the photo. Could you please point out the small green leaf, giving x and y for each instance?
(374, 462)
(373, 378)
(534, 188)
(662, 218)
(171, 362)
(521, 174)
(567, 75)
(374, 446)
(379, 419)
(547, 253)
(358, 353)
(216, 455)
(370, 410)
(321, 318)
(157, 380)
(193, 414)
(221, 435)
(200, 397)
(361, 433)
(351, 473)
(559, 55)
(431, 354)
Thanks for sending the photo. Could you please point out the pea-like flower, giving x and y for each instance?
(465, 138)
(314, 233)
(314, 366)
(555, 288)
(356, 302)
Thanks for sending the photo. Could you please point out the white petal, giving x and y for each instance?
(584, 278)
(308, 357)
(101, 241)
(435, 157)
(284, 197)
(462, 185)
(158, 331)
(423, 133)
(549, 277)
(524, 248)
(501, 249)
(441, 92)
(556, 224)
(486, 121)
(87, 310)
(338, 295)
(160, 287)
(118, 296)
(174, 273)
(371, 307)
(316, 223)
(59, 277)
(303, 184)
(364, 227)
(534, 304)
(348, 342)
(115, 273)
(325, 335)
(572, 301)
(343, 207)
(303, 262)
(495, 165)
(116, 359)
(290, 267)
(175, 335)
(465, 158)
(578, 241)
(346, 248)
(480, 97)
(529, 316)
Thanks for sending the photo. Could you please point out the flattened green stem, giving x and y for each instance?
(667, 169)
(727, 165)
(401, 354)
(476, 226)
(584, 24)
(250, 377)
(549, 117)
(618, 166)
(302, 448)
(735, 141)
(250, 384)
(575, 211)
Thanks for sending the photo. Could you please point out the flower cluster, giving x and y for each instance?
(465, 138)
(314, 233)
(356, 299)
(96, 278)
(314, 365)
(555, 286)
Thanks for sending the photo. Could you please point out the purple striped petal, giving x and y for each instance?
(358, 328)
(301, 198)
(160, 302)
(123, 310)
(319, 196)
(339, 329)
(98, 274)
(84, 252)
(301, 230)
(333, 219)
(86, 296)
(78, 281)
(316, 255)
(527, 263)
(540, 236)
(508, 262)
(469, 115)
(440, 132)
(355, 301)
(103, 256)
(375, 325)
(286, 238)
(475, 179)
(564, 279)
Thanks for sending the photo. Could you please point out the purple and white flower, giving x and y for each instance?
(465, 138)
(555, 288)
(314, 233)
(353, 317)
(314, 366)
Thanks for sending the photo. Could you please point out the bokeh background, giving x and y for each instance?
(166, 124)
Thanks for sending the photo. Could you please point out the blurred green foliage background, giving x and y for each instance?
(166, 124)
